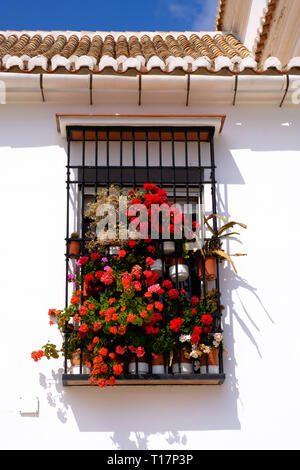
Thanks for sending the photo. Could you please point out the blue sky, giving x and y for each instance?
(109, 15)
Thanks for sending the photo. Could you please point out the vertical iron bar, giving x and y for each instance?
(215, 227)
(202, 261)
(107, 159)
(160, 156)
(121, 155)
(82, 218)
(147, 154)
(67, 245)
(133, 158)
(96, 164)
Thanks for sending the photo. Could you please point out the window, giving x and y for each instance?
(179, 160)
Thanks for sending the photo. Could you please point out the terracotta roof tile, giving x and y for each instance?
(263, 33)
(166, 51)
(220, 14)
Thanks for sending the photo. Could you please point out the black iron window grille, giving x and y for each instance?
(179, 160)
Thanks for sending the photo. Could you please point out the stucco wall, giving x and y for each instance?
(258, 160)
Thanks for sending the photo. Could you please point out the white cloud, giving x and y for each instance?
(205, 20)
(199, 15)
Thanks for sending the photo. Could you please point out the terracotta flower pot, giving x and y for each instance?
(186, 364)
(75, 362)
(88, 291)
(142, 365)
(158, 364)
(212, 361)
(210, 268)
(74, 248)
(182, 271)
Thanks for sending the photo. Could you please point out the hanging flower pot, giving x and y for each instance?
(186, 365)
(75, 363)
(74, 245)
(158, 364)
(158, 267)
(142, 365)
(212, 361)
(210, 264)
(168, 247)
(180, 272)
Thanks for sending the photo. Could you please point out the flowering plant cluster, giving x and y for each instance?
(122, 310)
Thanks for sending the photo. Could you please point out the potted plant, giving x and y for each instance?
(193, 334)
(206, 261)
(124, 318)
(74, 245)
(179, 270)
(209, 361)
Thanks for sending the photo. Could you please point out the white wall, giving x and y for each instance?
(258, 159)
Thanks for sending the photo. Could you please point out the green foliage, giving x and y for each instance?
(50, 351)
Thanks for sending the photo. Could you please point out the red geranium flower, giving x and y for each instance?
(83, 310)
(167, 284)
(137, 271)
(207, 329)
(97, 326)
(102, 383)
(126, 281)
(194, 300)
(112, 380)
(122, 330)
(195, 339)
(108, 277)
(176, 324)
(118, 369)
(140, 352)
(207, 319)
(120, 350)
(83, 329)
(75, 300)
(89, 277)
(37, 355)
(137, 285)
(173, 293)
(103, 351)
(197, 330)
(95, 256)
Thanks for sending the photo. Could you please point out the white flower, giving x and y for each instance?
(184, 338)
(206, 350)
(218, 337)
(194, 354)
(216, 344)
